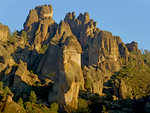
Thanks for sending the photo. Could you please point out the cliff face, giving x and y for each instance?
(73, 54)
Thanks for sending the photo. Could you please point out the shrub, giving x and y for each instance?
(24, 34)
(20, 102)
(83, 106)
(54, 108)
(1, 85)
(32, 97)
(44, 48)
(7, 90)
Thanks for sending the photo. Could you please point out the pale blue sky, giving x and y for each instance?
(129, 19)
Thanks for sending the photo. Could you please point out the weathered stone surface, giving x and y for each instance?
(40, 25)
(63, 31)
(5, 59)
(95, 78)
(23, 78)
(124, 90)
(74, 23)
(69, 77)
(9, 106)
(82, 27)
(104, 52)
(4, 33)
(47, 65)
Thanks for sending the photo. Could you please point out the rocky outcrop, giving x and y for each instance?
(68, 54)
(47, 66)
(23, 79)
(5, 59)
(4, 33)
(93, 79)
(122, 90)
(82, 27)
(104, 52)
(7, 105)
(40, 26)
(69, 77)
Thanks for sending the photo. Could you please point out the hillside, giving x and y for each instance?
(73, 66)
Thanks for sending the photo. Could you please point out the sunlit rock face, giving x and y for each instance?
(104, 52)
(69, 77)
(40, 26)
(4, 33)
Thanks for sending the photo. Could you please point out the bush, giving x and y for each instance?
(1, 85)
(83, 106)
(24, 34)
(32, 97)
(20, 102)
(7, 90)
(44, 48)
(54, 108)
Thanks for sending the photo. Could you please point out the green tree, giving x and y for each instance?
(54, 108)
(83, 106)
(24, 34)
(32, 97)
(20, 102)
(1, 85)
(104, 109)
(7, 90)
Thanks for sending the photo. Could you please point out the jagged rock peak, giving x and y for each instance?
(45, 11)
(133, 46)
(39, 13)
(85, 18)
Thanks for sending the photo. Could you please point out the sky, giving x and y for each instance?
(129, 19)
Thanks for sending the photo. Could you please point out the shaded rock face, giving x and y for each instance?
(69, 77)
(23, 79)
(48, 63)
(4, 33)
(40, 25)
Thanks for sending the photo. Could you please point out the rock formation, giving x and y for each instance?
(24, 79)
(40, 25)
(69, 77)
(4, 33)
(104, 52)
(93, 79)
(73, 54)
